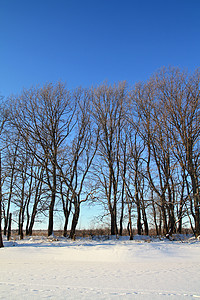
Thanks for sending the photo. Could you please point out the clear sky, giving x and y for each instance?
(84, 42)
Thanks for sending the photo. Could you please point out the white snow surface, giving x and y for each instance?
(145, 268)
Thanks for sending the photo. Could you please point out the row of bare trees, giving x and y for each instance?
(134, 150)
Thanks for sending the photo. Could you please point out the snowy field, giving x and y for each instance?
(38, 268)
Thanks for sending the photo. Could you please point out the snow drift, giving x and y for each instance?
(147, 268)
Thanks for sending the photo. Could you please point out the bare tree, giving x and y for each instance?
(3, 119)
(12, 146)
(37, 186)
(44, 115)
(167, 108)
(77, 161)
(181, 97)
(142, 158)
(108, 105)
(151, 124)
(137, 178)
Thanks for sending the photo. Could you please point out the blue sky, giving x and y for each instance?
(85, 42)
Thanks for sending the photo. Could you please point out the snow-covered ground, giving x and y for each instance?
(38, 268)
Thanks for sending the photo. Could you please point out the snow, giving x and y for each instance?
(58, 268)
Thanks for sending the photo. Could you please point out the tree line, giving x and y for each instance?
(132, 149)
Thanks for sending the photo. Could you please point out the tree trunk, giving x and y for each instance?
(9, 227)
(66, 223)
(123, 191)
(139, 225)
(164, 216)
(172, 221)
(36, 201)
(21, 231)
(10, 195)
(144, 216)
(154, 216)
(197, 217)
(67, 211)
(1, 239)
(21, 222)
(5, 223)
(27, 222)
(53, 199)
(160, 222)
(112, 224)
(51, 211)
(34, 212)
(130, 224)
(179, 230)
(75, 221)
(122, 213)
(196, 204)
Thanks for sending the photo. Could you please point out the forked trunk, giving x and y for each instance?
(75, 221)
